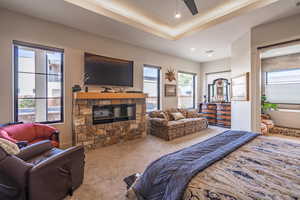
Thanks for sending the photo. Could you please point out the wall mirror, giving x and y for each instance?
(219, 91)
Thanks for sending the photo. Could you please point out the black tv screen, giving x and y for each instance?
(101, 70)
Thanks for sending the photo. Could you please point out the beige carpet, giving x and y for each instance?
(106, 167)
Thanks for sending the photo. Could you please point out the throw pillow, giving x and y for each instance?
(163, 115)
(177, 116)
(9, 147)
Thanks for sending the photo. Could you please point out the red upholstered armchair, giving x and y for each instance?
(29, 133)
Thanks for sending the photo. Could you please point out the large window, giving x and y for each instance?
(152, 87)
(38, 83)
(186, 90)
(283, 86)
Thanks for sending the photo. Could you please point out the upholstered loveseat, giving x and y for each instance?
(162, 123)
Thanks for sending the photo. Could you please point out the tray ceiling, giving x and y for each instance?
(141, 16)
(164, 10)
(218, 37)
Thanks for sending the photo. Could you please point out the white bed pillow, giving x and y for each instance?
(10, 147)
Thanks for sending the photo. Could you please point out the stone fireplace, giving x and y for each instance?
(101, 119)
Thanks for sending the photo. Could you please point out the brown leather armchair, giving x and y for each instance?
(41, 172)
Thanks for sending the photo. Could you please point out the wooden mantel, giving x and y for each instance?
(98, 95)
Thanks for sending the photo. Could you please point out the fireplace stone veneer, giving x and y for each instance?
(92, 135)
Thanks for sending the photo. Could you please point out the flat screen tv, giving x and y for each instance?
(101, 70)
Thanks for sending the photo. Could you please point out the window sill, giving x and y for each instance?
(287, 110)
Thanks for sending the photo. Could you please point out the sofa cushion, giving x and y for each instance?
(177, 116)
(21, 132)
(44, 156)
(155, 114)
(158, 114)
(169, 113)
(175, 124)
(184, 112)
(164, 115)
(188, 121)
(53, 143)
(193, 114)
(158, 122)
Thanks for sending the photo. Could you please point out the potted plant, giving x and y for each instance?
(267, 106)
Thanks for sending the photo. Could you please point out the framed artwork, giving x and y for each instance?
(240, 88)
(170, 90)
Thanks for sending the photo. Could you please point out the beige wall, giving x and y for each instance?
(283, 30)
(212, 67)
(19, 27)
(240, 64)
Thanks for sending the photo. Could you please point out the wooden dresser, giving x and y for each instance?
(218, 114)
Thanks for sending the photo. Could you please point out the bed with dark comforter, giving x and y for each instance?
(234, 165)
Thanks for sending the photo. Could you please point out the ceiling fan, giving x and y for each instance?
(191, 6)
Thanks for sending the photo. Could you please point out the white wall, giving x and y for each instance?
(283, 30)
(212, 67)
(240, 64)
(23, 28)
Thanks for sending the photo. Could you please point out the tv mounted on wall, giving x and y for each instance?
(106, 71)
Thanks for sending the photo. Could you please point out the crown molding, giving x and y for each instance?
(217, 15)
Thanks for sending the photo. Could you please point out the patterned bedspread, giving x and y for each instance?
(264, 169)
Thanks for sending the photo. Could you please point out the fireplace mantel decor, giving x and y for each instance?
(101, 119)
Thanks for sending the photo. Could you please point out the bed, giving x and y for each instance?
(234, 165)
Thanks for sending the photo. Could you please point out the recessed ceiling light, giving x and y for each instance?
(177, 15)
(193, 49)
(210, 53)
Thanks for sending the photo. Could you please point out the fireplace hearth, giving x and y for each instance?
(102, 119)
(113, 113)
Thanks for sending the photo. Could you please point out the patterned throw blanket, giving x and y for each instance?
(168, 177)
(264, 169)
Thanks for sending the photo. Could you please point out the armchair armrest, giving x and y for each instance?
(60, 166)
(34, 150)
(16, 169)
(55, 135)
(158, 121)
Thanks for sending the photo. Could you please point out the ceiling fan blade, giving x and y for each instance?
(192, 6)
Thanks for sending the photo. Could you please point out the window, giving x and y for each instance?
(283, 86)
(152, 87)
(186, 90)
(38, 83)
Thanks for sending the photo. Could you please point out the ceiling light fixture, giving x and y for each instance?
(193, 49)
(210, 53)
(177, 13)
